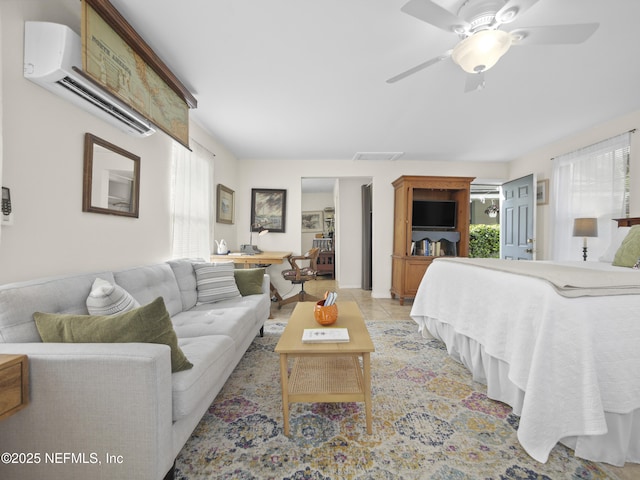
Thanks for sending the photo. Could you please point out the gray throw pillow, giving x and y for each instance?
(215, 282)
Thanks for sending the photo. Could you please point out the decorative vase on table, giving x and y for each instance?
(325, 315)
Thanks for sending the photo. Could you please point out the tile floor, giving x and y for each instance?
(371, 308)
(388, 309)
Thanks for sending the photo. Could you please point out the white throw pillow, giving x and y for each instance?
(108, 299)
(616, 240)
(215, 282)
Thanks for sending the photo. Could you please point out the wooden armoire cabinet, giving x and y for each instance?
(415, 246)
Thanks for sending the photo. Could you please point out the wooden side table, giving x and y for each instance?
(14, 384)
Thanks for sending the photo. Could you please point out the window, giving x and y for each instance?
(192, 199)
(590, 182)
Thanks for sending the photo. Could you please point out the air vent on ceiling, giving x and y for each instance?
(377, 155)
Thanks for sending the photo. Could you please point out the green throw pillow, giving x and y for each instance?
(629, 251)
(148, 324)
(249, 280)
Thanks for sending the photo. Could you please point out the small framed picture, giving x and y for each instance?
(268, 209)
(542, 192)
(312, 221)
(224, 205)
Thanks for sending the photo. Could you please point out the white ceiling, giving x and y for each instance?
(302, 79)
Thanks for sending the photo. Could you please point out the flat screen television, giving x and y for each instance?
(433, 214)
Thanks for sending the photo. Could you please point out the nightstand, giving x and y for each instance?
(14, 384)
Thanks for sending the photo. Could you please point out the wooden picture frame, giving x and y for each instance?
(542, 192)
(268, 209)
(312, 221)
(225, 204)
(111, 179)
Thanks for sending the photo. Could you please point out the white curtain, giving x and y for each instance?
(590, 182)
(192, 198)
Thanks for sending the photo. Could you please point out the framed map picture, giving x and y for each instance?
(268, 209)
(225, 204)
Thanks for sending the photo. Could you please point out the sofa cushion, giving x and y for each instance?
(213, 359)
(107, 298)
(186, 279)
(232, 320)
(18, 301)
(249, 280)
(215, 281)
(145, 284)
(148, 324)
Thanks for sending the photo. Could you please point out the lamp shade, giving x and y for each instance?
(482, 50)
(585, 227)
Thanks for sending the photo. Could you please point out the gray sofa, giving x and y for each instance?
(115, 411)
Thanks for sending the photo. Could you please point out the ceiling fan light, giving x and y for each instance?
(482, 50)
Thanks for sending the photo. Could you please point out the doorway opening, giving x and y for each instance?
(484, 231)
(318, 222)
(344, 194)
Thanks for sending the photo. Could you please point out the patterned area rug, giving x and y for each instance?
(430, 421)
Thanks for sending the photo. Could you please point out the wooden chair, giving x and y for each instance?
(297, 275)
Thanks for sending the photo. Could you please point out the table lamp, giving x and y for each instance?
(253, 249)
(585, 227)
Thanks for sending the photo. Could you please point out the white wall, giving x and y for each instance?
(42, 163)
(539, 162)
(43, 151)
(288, 174)
(349, 232)
(314, 202)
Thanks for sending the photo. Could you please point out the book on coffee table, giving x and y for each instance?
(325, 335)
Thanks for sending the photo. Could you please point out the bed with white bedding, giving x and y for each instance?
(567, 360)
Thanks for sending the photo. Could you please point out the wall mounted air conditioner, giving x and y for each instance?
(51, 51)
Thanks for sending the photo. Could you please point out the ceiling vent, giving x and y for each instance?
(390, 156)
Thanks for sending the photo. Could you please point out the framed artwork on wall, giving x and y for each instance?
(312, 221)
(268, 209)
(224, 205)
(542, 192)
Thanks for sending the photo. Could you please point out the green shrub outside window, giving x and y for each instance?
(484, 241)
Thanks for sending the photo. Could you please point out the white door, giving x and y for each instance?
(517, 219)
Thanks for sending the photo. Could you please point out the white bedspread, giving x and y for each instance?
(574, 358)
(568, 280)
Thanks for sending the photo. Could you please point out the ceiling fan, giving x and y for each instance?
(478, 23)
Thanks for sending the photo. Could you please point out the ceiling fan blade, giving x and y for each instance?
(512, 9)
(553, 34)
(422, 66)
(475, 81)
(429, 12)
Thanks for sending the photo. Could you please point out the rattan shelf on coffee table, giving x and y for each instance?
(332, 378)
